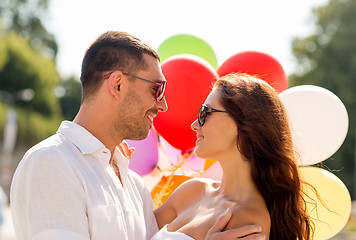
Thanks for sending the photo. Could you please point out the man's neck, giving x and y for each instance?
(114, 166)
(99, 126)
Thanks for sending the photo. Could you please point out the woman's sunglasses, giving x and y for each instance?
(161, 85)
(203, 112)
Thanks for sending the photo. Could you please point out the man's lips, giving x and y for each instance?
(150, 116)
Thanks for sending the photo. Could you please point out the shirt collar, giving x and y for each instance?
(88, 144)
(81, 137)
(122, 163)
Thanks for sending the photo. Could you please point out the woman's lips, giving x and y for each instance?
(199, 137)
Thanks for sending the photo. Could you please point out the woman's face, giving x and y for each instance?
(218, 136)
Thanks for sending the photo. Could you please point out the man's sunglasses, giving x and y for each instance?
(161, 85)
(204, 111)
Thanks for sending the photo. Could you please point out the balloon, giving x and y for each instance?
(165, 188)
(259, 64)
(333, 209)
(188, 160)
(208, 164)
(319, 122)
(214, 172)
(145, 157)
(170, 152)
(189, 83)
(187, 44)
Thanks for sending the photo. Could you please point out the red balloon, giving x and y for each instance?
(189, 82)
(258, 64)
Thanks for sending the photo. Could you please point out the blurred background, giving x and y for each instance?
(42, 43)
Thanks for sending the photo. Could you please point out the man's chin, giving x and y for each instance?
(140, 136)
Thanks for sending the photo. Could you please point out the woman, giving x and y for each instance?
(243, 125)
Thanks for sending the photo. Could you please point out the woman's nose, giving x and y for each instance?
(195, 125)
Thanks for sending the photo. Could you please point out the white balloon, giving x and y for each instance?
(319, 122)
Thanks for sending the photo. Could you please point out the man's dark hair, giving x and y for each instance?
(112, 51)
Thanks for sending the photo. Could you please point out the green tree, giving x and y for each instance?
(3, 52)
(70, 97)
(327, 58)
(25, 18)
(26, 68)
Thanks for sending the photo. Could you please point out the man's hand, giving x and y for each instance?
(126, 150)
(248, 232)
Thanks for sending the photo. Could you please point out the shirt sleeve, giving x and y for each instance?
(47, 198)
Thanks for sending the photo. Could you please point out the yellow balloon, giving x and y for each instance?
(333, 209)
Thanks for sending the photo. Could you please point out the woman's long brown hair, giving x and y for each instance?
(264, 139)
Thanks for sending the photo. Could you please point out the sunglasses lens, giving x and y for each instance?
(160, 91)
(202, 115)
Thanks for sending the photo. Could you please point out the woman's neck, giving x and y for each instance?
(237, 183)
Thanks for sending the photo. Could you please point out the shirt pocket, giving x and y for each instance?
(107, 222)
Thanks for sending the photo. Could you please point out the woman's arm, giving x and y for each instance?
(165, 214)
(181, 198)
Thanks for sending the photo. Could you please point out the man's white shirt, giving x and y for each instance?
(64, 188)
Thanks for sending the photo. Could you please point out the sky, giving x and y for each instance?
(228, 26)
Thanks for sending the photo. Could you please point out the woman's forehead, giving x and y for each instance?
(213, 98)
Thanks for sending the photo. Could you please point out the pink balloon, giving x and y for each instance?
(145, 157)
(195, 163)
(214, 172)
(171, 152)
(175, 155)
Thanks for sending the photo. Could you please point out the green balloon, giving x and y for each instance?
(187, 44)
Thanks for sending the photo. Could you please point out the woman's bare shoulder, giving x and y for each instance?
(198, 183)
(194, 187)
(250, 214)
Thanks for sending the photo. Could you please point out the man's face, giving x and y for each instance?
(139, 106)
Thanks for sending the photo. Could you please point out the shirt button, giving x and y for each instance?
(127, 212)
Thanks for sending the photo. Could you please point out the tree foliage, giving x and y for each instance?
(27, 61)
(3, 52)
(25, 18)
(327, 58)
(71, 98)
(25, 68)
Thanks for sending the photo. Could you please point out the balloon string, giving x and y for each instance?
(166, 189)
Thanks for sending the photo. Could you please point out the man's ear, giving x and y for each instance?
(114, 83)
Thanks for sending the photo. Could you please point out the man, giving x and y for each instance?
(76, 184)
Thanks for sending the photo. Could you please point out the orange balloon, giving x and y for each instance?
(208, 164)
(165, 188)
